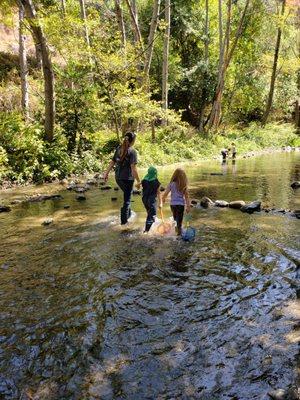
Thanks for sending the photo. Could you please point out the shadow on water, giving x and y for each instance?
(89, 312)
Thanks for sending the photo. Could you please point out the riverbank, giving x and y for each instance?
(170, 147)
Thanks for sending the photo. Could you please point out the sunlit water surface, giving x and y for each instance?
(90, 312)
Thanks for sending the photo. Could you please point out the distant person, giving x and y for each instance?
(233, 151)
(178, 187)
(151, 192)
(224, 154)
(125, 161)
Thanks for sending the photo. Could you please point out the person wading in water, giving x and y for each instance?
(125, 160)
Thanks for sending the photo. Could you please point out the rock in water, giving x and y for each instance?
(80, 197)
(47, 221)
(4, 209)
(206, 202)
(194, 202)
(251, 207)
(216, 174)
(221, 203)
(44, 197)
(66, 206)
(237, 204)
(295, 185)
(80, 189)
(105, 188)
(296, 214)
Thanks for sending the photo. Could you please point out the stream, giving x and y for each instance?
(91, 312)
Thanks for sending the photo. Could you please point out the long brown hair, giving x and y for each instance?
(129, 139)
(180, 178)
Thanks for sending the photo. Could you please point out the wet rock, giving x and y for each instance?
(296, 214)
(80, 197)
(282, 211)
(66, 206)
(47, 221)
(80, 189)
(267, 210)
(91, 182)
(216, 174)
(105, 187)
(136, 191)
(71, 187)
(4, 209)
(281, 394)
(206, 202)
(295, 185)
(17, 201)
(237, 204)
(221, 203)
(251, 207)
(194, 202)
(116, 188)
(114, 199)
(44, 197)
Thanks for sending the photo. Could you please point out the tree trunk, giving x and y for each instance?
(119, 14)
(63, 6)
(215, 115)
(83, 17)
(165, 72)
(221, 45)
(40, 39)
(297, 103)
(205, 75)
(135, 25)
(151, 37)
(23, 64)
(274, 70)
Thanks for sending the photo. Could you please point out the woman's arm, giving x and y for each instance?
(109, 168)
(159, 196)
(187, 201)
(136, 175)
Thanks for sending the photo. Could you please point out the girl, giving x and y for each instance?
(178, 187)
(151, 191)
(125, 160)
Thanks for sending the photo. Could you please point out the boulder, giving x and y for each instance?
(47, 221)
(80, 197)
(4, 209)
(221, 203)
(206, 202)
(105, 187)
(295, 185)
(251, 207)
(237, 204)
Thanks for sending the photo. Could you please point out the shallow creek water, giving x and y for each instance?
(90, 312)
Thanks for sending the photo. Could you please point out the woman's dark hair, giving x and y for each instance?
(129, 138)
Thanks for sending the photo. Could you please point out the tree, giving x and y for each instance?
(23, 64)
(215, 115)
(274, 69)
(151, 37)
(83, 17)
(48, 74)
(119, 14)
(165, 69)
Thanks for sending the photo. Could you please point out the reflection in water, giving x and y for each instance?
(88, 312)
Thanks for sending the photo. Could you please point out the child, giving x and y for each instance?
(233, 151)
(178, 187)
(150, 185)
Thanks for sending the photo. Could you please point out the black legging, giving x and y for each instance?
(126, 186)
(178, 212)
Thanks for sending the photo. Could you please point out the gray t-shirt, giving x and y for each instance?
(123, 168)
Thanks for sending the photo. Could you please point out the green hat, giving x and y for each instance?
(151, 174)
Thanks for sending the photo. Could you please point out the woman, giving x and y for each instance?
(125, 160)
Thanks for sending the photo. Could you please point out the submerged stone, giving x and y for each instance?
(206, 202)
(47, 221)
